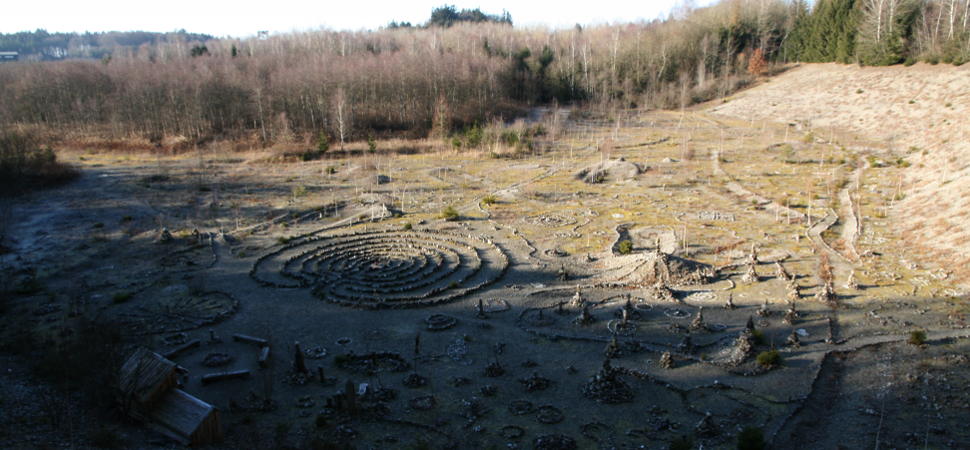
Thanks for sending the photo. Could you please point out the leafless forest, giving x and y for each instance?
(405, 82)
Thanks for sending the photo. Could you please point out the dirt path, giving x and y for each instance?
(848, 209)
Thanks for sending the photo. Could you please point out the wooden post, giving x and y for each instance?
(299, 362)
(264, 356)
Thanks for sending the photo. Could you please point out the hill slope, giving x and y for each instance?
(921, 113)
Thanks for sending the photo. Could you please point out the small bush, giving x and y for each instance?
(489, 200)
(625, 247)
(24, 164)
(311, 155)
(917, 337)
(323, 142)
(759, 337)
(407, 226)
(769, 359)
(331, 170)
(121, 297)
(450, 214)
(371, 144)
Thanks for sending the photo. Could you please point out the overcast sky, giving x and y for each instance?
(242, 18)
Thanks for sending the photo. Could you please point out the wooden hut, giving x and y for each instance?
(149, 392)
(186, 419)
(145, 377)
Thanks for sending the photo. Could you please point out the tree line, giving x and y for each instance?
(440, 78)
(881, 32)
(41, 45)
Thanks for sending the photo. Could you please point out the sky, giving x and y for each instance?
(241, 18)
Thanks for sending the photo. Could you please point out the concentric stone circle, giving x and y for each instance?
(385, 268)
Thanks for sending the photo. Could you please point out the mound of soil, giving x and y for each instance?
(674, 269)
(612, 170)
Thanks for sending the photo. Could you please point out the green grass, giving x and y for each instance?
(917, 337)
(450, 214)
(489, 200)
(624, 247)
(769, 359)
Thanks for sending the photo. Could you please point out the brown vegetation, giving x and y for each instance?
(25, 164)
(405, 82)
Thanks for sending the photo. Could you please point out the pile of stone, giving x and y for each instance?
(607, 387)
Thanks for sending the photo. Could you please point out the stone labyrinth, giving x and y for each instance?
(385, 268)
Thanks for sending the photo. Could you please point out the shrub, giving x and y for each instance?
(625, 247)
(24, 164)
(917, 337)
(407, 226)
(769, 359)
(473, 136)
(371, 144)
(121, 297)
(489, 200)
(450, 214)
(751, 438)
(323, 142)
(311, 155)
(759, 337)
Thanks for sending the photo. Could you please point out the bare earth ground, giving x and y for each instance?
(919, 113)
(304, 252)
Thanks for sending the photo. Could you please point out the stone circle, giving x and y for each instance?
(549, 415)
(384, 269)
(176, 313)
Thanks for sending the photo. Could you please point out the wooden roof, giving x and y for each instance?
(146, 376)
(186, 418)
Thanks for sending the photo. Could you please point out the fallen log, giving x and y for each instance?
(220, 376)
(250, 340)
